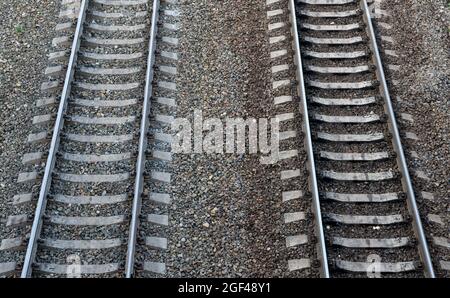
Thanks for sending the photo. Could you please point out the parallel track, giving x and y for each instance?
(360, 183)
(86, 211)
(107, 154)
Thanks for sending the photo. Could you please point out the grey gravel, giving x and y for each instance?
(26, 30)
(226, 215)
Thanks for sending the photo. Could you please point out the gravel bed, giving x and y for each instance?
(26, 30)
(226, 214)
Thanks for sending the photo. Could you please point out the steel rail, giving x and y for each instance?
(140, 166)
(322, 251)
(406, 179)
(54, 145)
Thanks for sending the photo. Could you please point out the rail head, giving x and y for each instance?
(54, 145)
(406, 180)
(140, 164)
(322, 251)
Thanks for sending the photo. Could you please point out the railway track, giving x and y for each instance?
(152, 195)
(104, 200)
(368, 221)
(87, 208)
